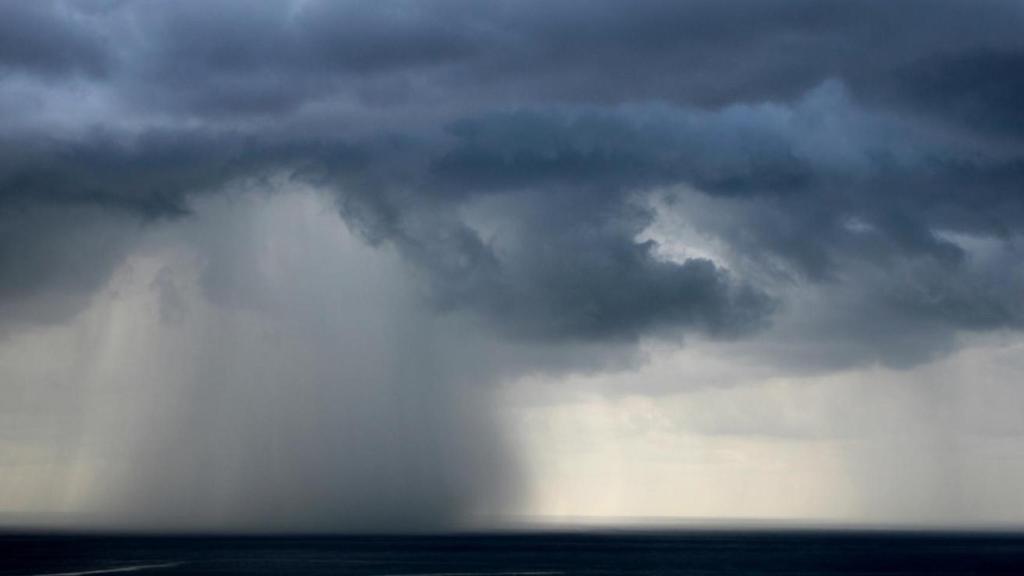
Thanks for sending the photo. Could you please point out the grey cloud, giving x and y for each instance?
(240, 59)
(51, 37)
(976, 91)
(236, 58)
(855, 170)
(833, 144)
(53, 258)
(554, 275)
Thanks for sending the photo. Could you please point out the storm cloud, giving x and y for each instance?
(843, 178)
(427, 118)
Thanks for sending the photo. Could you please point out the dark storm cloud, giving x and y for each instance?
(237, 58)
(977, 90)
(575, 273)
(507, 150)
(53, 257)
(49, 38)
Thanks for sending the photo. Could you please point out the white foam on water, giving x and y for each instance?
(135, 568)
(538, 573)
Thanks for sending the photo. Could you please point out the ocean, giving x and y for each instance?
(549, 554)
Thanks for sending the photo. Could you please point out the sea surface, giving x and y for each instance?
(681, 553)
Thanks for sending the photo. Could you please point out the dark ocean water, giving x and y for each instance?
(533, 555)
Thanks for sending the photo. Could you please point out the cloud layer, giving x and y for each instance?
(507, 151)
(839, 184)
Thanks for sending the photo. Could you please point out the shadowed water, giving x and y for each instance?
(709, 553)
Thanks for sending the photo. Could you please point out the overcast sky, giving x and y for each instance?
(310, 265)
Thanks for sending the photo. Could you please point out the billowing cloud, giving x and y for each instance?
(835, 185)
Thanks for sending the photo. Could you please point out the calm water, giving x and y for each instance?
(535, 555)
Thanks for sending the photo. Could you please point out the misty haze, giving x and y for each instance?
(536, 287)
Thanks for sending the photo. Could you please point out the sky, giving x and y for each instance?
(301, 265)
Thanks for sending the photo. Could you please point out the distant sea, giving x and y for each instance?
(549, 554)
